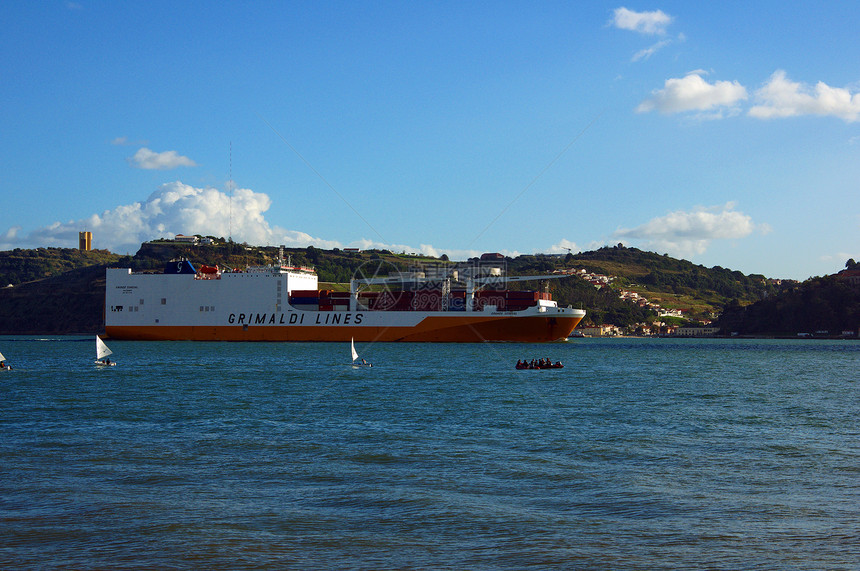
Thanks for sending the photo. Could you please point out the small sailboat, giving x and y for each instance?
(4, 366)
(102, 353)
(361, 363)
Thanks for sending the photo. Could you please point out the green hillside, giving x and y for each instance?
(20, 266)
(669, 278)
(828, 306)
(70, 302)
(44, 277)
(668, 282)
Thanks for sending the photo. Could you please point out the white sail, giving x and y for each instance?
(102, 350)
(354, 353)
(2, 358)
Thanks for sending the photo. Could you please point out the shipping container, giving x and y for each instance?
(304, 293)
(531, 295)
(303, 300)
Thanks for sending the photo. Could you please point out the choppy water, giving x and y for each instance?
(639, 454)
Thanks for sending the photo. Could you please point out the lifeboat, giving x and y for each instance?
(208, 273)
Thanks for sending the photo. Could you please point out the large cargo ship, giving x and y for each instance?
(282, 302)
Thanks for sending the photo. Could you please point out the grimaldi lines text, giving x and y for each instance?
(283, 303)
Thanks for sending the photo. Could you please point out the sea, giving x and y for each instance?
(638, 454)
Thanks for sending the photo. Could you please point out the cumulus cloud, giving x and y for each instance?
(146, 159)
(175, 208)
(178, 208)
(689, 233)
(650, 23)
(425, 249)
(455, 254)
(693, 93)
(564, 245)
(780, 97)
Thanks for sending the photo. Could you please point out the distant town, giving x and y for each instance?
(659, 327)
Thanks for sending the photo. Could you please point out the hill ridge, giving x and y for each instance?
(69, 295)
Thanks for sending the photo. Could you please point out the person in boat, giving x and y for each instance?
(363, 362)
(106, 361)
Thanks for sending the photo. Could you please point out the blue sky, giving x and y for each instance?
(723, 133)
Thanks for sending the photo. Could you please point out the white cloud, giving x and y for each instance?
(147, 159)
(430, 250)
(648, 52)
(11, 235)
(178, 208)
(840, 258)
(692, 93)
(426, 249)
(689, 233)
(650, 23)
(175, 208)
(563, 246)
(780, 97)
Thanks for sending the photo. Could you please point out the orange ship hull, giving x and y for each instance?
(459, 329)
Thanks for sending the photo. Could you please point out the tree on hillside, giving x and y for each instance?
(821, 304)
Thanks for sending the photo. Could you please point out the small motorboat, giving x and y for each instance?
(536, 364)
